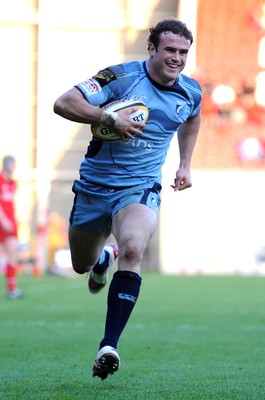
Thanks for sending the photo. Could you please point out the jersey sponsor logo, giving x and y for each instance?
(128, 297)
(137, 143)
(92, 85)
(104, 77)
(138, 97)
(179, 107)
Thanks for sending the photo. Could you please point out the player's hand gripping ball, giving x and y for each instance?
(106, 133)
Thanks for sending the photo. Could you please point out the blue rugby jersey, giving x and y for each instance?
(134, 162)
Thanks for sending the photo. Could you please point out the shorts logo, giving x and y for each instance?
(153, 200)
(179, 106)
(128, 297)
(92, 85)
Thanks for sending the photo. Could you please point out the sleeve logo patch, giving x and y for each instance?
(91, 85)
(104, 77)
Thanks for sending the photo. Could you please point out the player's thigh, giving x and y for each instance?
(85, 247)
(134, 225)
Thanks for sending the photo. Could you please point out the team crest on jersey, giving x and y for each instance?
(104, 77)
(91, 85)
(179, 107)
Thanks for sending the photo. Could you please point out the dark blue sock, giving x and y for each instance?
(102, 263)
(123, 293)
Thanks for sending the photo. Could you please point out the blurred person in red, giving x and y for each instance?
(8, 226)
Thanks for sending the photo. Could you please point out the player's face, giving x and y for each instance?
(10, 168)
(169, 59)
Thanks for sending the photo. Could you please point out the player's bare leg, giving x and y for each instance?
(85, 247)
(89, 254)
(133, 227)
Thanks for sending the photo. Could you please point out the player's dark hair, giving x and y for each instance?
(168, 25)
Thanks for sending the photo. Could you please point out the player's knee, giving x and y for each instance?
(79, 269)
(131, 252)
(81, 266)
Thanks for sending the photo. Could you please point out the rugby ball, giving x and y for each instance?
(106, 133)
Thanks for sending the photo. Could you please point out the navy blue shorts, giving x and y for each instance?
(94, 206)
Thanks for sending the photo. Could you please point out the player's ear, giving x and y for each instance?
(151, 49)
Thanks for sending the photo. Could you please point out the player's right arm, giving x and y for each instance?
(73, 106)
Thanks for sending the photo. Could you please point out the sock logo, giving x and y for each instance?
(128, 297)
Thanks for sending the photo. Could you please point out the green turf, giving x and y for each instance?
(189, 338)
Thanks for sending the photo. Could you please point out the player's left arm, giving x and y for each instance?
(187, 137)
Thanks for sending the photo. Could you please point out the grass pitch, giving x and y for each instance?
(189, 338)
